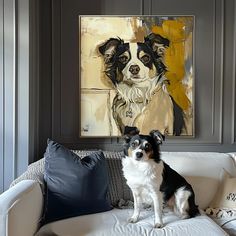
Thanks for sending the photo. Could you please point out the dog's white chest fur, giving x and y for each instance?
(143, 176)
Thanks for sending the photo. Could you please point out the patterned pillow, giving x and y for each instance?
(220, 212)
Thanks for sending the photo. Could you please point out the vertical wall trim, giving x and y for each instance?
(34, 79)
(213, 71)
(15, 91)
(150, 7)
(9, 88)
(1, 95)
(221, 6)
(141, 7)
(56, 67)
(233, 138)
(222, 69)
(22, 119)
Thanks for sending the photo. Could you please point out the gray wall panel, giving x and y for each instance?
(22, 101)
(1, 98)
(9, 92)
(14, 90)
(121, 7)
(233, 106)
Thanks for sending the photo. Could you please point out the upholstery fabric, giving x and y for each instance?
(75, 186)
(195, 165)
(114, 223)
(21, 209)
(226, 196)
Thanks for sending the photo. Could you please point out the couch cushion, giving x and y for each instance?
(115, 223)
(201, 186)
(226, 196)
(75, 186)
(202, 170)
(208, 164)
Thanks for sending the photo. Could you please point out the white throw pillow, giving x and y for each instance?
(226, 194)
(224, 202)
(204, 188)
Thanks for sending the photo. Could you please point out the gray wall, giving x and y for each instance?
(14, 89)
(39, 75)
(215, 51)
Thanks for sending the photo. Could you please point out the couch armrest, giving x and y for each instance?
(21, 209)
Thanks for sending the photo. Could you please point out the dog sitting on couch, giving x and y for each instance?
(151, 180)
(136, 70)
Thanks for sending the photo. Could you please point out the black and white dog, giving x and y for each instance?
(136, 71)
(152, 181)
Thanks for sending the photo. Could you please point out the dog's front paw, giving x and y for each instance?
(133, 219)
(158, 225)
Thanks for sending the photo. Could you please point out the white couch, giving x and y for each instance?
(21, 206)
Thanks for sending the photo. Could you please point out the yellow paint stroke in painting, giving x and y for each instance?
(139, 31)
(174, 59)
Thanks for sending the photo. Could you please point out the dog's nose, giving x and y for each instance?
(134, 69)
(139, 154)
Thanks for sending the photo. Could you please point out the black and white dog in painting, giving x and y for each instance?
(152, 181)
(137, 71)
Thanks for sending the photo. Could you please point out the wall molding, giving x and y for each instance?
(222, 8)
(14, 96)
(1, 95)
(9, 77)
(233, 137)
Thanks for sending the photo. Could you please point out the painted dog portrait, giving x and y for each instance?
(142, 82)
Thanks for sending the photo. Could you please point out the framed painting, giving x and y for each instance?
(136, 71)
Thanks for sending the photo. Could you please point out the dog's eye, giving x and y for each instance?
(123, 59)
(147, 146)
(135, 144)
(145, 59)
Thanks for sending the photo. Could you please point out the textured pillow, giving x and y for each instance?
(75, 186)
(224, 203)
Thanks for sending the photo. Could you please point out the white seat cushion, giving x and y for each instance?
(114, 223)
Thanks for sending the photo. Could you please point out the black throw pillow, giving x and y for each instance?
(75, 186)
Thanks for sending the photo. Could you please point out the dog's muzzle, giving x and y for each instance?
(134, 69)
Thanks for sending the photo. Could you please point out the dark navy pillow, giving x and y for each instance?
(75, 186)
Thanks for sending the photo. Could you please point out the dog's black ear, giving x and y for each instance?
(157, 136)
(108, 48)
(157, 43)
(129, 132)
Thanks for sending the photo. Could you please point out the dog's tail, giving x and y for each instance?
(193, 209)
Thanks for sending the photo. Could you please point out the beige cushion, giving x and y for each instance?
(20, 209)
(201, 187)
(226, 196)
